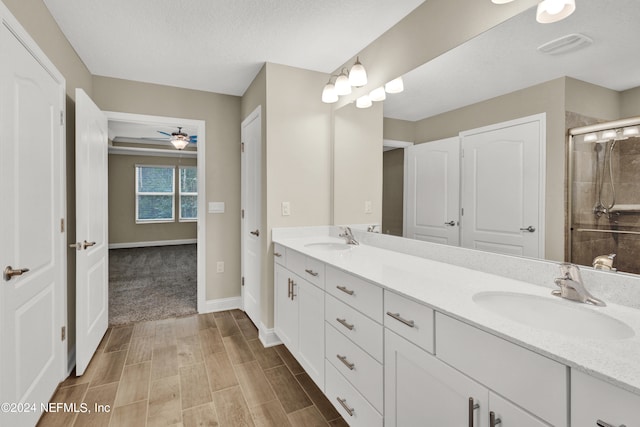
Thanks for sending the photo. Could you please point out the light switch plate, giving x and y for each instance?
(367, 207)
(220, 267)
(286, 209)
(216, 207)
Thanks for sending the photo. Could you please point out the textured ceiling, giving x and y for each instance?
(505, 59)
(219, 45)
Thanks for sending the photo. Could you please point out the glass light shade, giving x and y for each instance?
(631, 131)
(343, 87)
(554, 10)
(608, 134)
(179, 143)
(363, 102)
(394, 86)
(357, 74)
(590, 137)
(378, 94)
(329, 94)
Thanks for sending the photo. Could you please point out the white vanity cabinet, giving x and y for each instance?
(299, 319)
(593, 400)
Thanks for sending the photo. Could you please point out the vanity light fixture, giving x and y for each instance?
(329, 93)
(343, 87)
(363, 102)
(378, 94)
(550, 11)
(394, 86)
(357, 74)
(591, 137)
(608, 134)
(631, 131)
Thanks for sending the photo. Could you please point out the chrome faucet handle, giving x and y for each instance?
(604, 262)
(571, 286)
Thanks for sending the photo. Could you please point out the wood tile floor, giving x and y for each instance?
(202, 370)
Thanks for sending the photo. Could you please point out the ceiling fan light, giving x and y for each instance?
(329, 94)
(179, 143)
(343, 87)
(357, 74)
(550, 11)
(394, 86)
(363, 102)
(378, 94)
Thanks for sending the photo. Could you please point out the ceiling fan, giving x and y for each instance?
(180, 139)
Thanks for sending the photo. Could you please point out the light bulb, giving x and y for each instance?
(363, 102)
(343, 87)
(357, 74)
(394, 86)
(554, 6)
(378, 94)
(179, 143)
(329, 94)
(590, 137)
(609, 134)
(554, 10)
(631, 131)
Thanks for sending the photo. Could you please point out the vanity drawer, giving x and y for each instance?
(306, 267)
(533, 382)
(358, 367)
(338, 389)
(354, 325)
(409, 319)
(279, 254)
(364, 296)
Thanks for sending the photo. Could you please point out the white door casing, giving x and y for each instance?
(432, 191)
(251, 261)
(32, 189)
(502, 192)
(92, 246)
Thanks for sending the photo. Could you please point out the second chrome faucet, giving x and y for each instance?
(571, 286)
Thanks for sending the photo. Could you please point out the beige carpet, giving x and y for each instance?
(152, 283)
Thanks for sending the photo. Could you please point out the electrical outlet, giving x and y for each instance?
(367, 207)
(286, 209)
(220, 267)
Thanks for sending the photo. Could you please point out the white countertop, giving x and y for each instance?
(450, 289)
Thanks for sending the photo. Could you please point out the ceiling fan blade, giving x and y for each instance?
(193, 139)
(164, 133)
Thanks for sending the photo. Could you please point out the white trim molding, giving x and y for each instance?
(152, 243)
(222, 304)
(267, 336)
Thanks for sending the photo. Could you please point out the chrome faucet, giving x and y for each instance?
(348, 235)
(372, 228)
(604, 262)
(571, 286)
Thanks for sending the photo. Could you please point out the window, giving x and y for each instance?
(188, 193)
(155, 193)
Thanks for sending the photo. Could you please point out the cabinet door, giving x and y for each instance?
(511, 415)
(593, 400)
(311, 329)
(286, 309)
(422, 390)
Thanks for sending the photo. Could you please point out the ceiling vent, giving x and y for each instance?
(565, 44)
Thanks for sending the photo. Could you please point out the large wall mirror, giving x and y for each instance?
(587, 73)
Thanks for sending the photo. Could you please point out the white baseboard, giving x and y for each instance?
(268, 337)
(71, 360)
(152, 243)
(222, 304)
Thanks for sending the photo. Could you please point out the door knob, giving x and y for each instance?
(450, 223)
(530, 229)
(9, 272)
(255, 233)
(86, 244)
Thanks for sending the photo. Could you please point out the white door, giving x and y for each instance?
(251, 213)
(432, 191)
(502, 190)
(92, 247)
(32, 246)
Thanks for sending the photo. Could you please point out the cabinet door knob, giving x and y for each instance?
(493, 421)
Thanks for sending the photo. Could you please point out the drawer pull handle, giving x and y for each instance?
(343, 402)
(493, 421)
(344, 323)
(292, 285)
(601, 423)
(409, 323)
(311, 272)
(277, 254)
(344, 360)
(345, 290)
(472, 407)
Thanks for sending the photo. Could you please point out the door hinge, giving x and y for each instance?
(62, 225)
(61, 118)
(242, 213)
(242, 147)
(242, 281)
(63, 333)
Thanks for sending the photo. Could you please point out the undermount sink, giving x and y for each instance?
(559, 316)
(329, 246)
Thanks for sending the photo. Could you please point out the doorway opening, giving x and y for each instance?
(156, 218)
